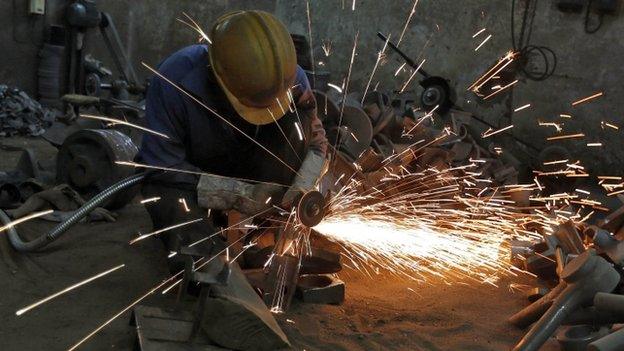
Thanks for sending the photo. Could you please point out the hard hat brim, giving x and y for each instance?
(257, 115)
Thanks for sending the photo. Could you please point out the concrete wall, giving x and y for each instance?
(148, 29)
(587, 63)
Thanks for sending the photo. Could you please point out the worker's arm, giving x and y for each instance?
(318, 141)
(165, 113)
(312, 166)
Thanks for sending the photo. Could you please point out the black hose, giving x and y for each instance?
(56, 232)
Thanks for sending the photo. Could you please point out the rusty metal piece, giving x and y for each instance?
(607, 244)
(569, 238)
(519, 250)
(320, 261)
(351, 132)
(370, 161)
(378, 107)
(537, 293)
(577, 337)
(461, 151)
(435, 157)
(543, 262)
(534, 311)
(280, 282)
(521, 197)
(341, 172)
(613, 221)
(320, 288)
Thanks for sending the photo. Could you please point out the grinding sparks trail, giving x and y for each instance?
(127, 308)
(427, 224)
(402, 248)
(118, 121)
(24, 219)
(68, 289)
(144, 236)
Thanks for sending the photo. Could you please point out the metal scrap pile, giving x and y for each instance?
(578, 270)
(20, 114)
(368, 130)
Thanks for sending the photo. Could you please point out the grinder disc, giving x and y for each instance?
(311, 208)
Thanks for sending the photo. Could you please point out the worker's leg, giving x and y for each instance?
(171, 210)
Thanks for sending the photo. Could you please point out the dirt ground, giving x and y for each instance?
(380, 314)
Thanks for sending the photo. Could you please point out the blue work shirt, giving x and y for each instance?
(199, 141)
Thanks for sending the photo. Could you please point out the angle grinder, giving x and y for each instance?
(311, 208)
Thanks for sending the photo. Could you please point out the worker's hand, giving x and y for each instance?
(262, 197)
(308, 176)
(222, 193)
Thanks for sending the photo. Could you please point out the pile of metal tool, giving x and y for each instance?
(22, 115)
(367, 130)
(578, 269)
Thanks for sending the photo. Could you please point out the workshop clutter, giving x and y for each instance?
(22, 115)
(578, 272)
(370, 129)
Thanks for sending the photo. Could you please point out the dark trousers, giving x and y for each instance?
(170, 210)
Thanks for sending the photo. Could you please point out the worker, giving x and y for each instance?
(241, 126)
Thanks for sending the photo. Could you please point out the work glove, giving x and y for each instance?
(223, 193)
(308, 176)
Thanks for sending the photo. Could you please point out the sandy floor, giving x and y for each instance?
(377, 315)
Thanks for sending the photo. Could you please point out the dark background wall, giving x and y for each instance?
(148, 29)
(440, 31)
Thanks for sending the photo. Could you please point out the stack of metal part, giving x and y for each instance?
(365, 130)
(579, 297)
(20, 114)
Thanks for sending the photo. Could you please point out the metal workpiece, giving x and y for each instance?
(87, 162)
(351, 131)
(577, 337)
(537, 293)
(607, 309)
(320, 261)
(609, 304)
(569, 238)
(542, 262)
(383, 116)
(280, 282)
(611, 342)
(607, 244)
(320, 288)
(534, 311)
(601, 237)
(585, 276)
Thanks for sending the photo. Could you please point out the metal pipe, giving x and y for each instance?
(534, 311)
(586, 275)
(609, 304)
(551, 320)
(28, 246)
(611, 342)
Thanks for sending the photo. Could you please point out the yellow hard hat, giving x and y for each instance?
(254, 60)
